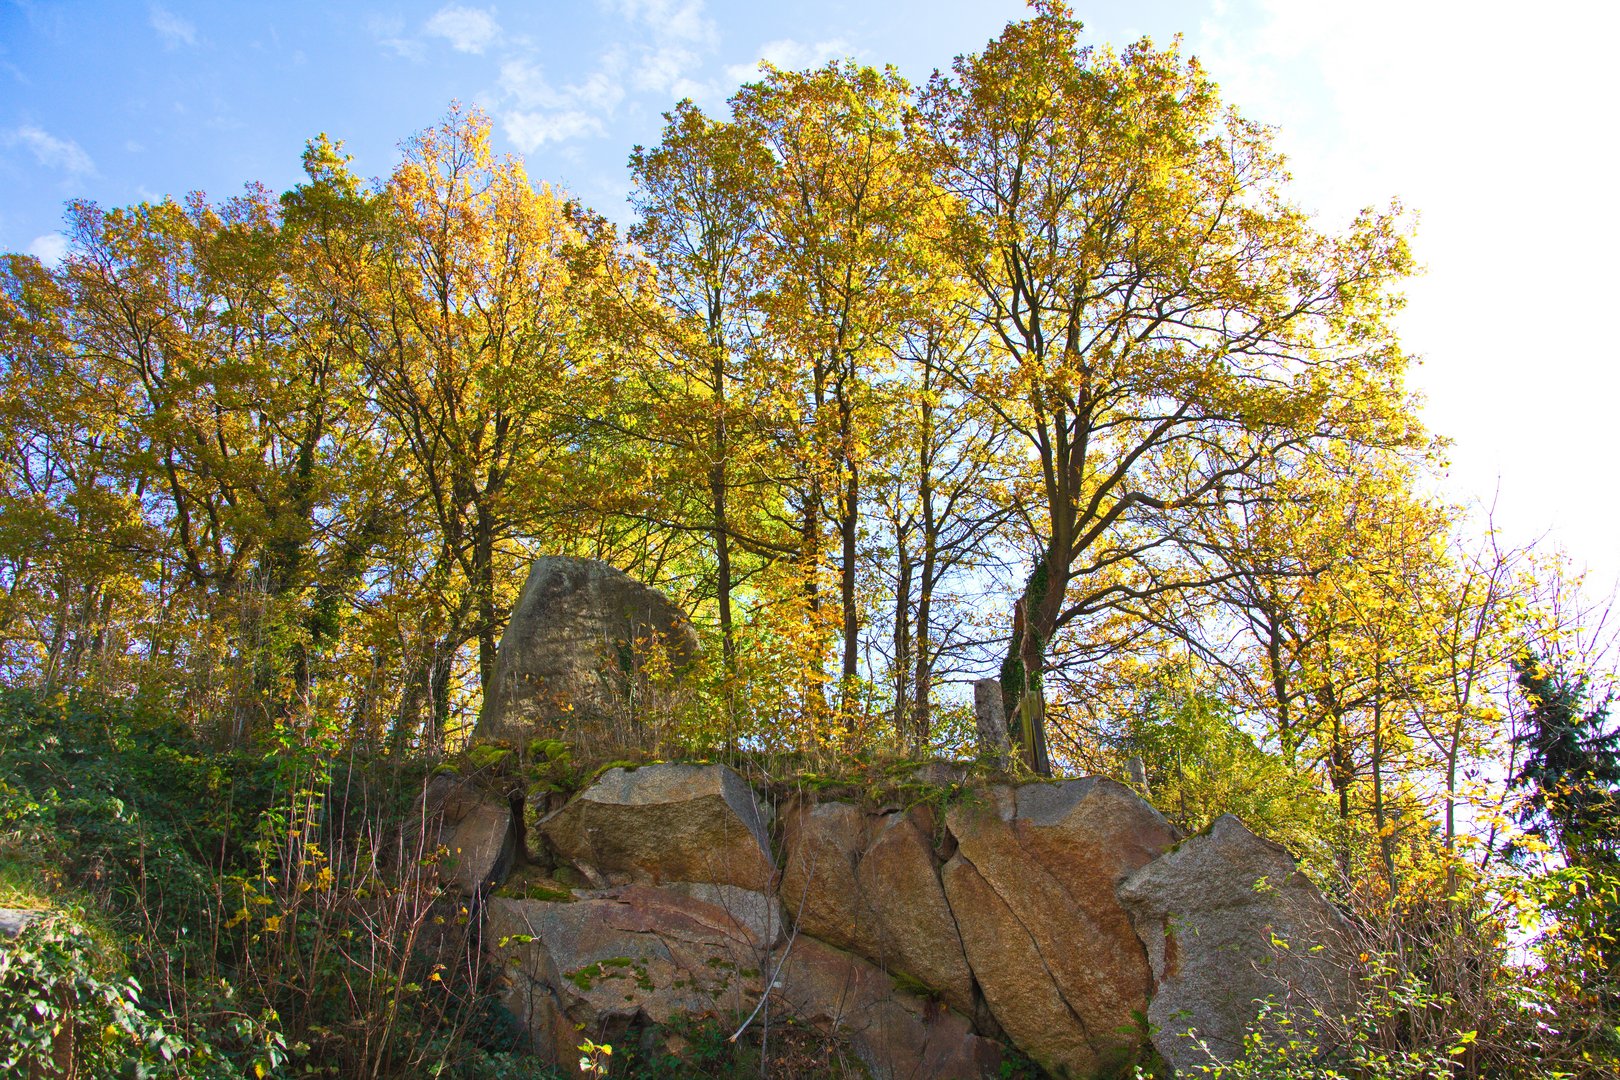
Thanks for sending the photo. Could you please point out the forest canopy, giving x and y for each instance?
(1033, 372)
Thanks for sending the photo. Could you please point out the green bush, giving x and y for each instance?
(59, 1003)
(276, 899)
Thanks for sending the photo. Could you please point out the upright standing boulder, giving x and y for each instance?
(990, 717)
(1228, 920)
(586, 646)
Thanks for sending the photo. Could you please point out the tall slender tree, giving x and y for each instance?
(1166, 322)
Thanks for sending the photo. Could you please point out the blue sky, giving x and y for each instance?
(1496, 128)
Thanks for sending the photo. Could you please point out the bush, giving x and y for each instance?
(278, 901)
(63, 1013)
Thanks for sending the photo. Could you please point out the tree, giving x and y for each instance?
(839, 219)
(938, 484)
(1572, 764)
(471, 339)
(1166, 323)
(1571, 773)
(206, 332)
(74, 546)
(698, 197)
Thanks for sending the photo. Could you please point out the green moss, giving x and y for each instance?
(605, 767)
(548, 750)
(536, 891)
(489, 756)
(585, 977)
(914, 986)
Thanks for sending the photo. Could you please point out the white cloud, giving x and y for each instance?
(789, 55)
(679, 35)
(48, 150)
(531, 130)
(49, 249)
(171, 28)
(671, 20)
(661, 50)
(525, 84)
(390, 33)
(467, 29)
(603, 88)
(546, 113)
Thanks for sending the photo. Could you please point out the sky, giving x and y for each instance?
(1494, 125)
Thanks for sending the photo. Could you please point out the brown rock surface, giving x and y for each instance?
(1032, 889)
(592, 967)
(896, 1034)
(1207, 913)
(658, 823)
(474, 828)
(869, 882)
(582, 636)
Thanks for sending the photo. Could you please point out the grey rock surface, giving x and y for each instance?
(594, 966)
(585, 655)
(14, 921)
(663, 823)
(1211, 914)
(757, 912)
(990, 716)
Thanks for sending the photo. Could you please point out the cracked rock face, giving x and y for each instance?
(870, 883)
(595, 966)
(1047, 916)
(896, 1034)
(1032, 886)
(657, 823)
(474, 830)
(1210, 914)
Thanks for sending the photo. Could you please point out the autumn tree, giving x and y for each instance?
(470, 337)
(222, 363)
(75, 549)
(697, 194)
(838, 219)
(941, 492)
(1166, 322)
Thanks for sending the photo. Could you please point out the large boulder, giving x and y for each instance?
(473, 830)
(666, 823)
(586, 650)
(896, 1034)
(1228, 920)
(600, 965)
(869, 882)
(1032, 888)
(14, 921)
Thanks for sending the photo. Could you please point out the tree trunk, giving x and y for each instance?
(922, 710)
(902, 647)
(1022, 675)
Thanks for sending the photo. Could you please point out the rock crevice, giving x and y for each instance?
(1052, 918)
